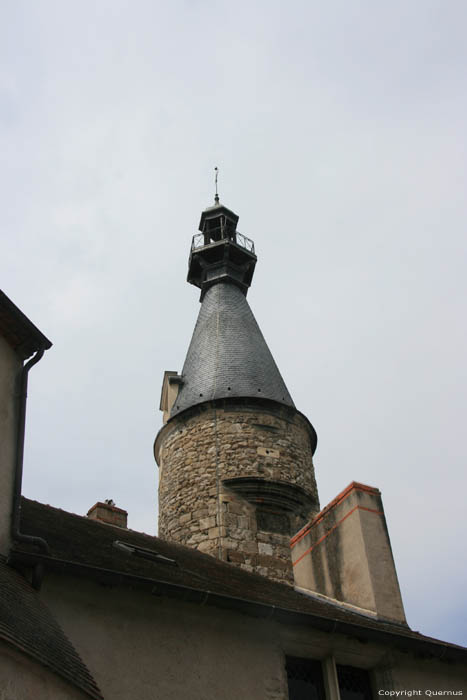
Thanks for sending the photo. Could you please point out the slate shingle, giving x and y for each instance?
(28, 625)
(228, 355)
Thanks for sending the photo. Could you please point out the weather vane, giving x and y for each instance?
(216, 198)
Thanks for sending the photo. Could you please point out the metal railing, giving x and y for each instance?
(238, 238)
(245, 242)
(197, 241)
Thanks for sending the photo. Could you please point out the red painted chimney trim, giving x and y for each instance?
(354, 486)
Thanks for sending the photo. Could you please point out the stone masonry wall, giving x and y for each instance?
(197, 450)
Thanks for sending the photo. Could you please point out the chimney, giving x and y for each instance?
(108, 512)
(345, 554)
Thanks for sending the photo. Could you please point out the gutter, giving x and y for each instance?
(19, 457)
(424, 646)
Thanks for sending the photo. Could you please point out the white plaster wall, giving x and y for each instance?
(337, 565)
(381, 566)
(10, 365)
(140, 646)
(21, 678)
(424, 675)
(347, 556)
(143, 646)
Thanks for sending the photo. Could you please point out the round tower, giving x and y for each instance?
(236, 476)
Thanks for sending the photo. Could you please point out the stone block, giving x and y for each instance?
(235, 557)
(214, 532)
(200, 513)
(206, 523)
(206, 546)
(236, 508)
(231, 520)
(273, 563)
(250, 547)
(264, 548)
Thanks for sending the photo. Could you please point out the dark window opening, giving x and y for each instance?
(354, 683)
(304, 679)
(271, 521)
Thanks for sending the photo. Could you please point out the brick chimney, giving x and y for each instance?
(108, 512)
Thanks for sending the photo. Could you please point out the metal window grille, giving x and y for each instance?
(354, 683)
(304, 679)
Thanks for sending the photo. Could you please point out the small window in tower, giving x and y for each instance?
(272, 521)
(304, 679)
(354, 683)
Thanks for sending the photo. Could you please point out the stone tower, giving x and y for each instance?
(236, 476)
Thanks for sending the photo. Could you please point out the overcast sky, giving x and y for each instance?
(339, 131)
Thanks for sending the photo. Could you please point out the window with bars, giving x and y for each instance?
(304, 679)
(354, 683)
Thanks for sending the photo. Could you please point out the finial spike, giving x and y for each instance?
(216, 196)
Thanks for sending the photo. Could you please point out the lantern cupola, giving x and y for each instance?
(220, 253)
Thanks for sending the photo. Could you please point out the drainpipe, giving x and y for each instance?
(15, 521)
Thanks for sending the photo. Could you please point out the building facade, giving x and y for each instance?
(251, 589)
(236, 474)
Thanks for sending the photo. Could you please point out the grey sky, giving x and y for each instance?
(339, 131)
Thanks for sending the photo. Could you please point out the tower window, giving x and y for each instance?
(354, 683)
(272, 521)
(304, 679)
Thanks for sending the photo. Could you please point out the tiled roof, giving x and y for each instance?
(28, 625)
(228, 356)
(88, 548)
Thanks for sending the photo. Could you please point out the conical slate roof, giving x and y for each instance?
(228, 355)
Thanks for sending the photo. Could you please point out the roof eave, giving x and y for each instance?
(425, 646)
(21, 333)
